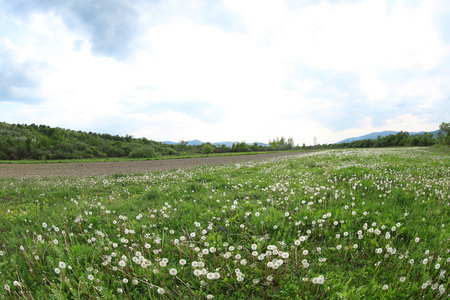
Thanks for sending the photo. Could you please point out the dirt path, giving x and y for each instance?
(123, 167)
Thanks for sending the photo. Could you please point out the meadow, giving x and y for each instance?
(335, 224)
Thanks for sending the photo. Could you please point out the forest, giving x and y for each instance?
(42, 142)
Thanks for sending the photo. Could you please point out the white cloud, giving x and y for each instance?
(262, 69)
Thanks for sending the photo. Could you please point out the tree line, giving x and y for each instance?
(41, 142)
(400, 139)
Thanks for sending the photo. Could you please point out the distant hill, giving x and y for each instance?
(375, 135)
(198, 142)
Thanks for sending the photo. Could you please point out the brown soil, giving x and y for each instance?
(123, 167)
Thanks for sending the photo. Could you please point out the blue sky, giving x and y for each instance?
(230, 70)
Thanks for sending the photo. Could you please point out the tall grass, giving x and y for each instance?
(351, 224)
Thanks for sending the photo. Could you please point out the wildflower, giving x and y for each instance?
(44, 225)
(6, 287)
(385, 287)
(173, 272)
(209, 297)
(90, 277)
(402, 279)
(135, 282)
(437, 266)
(119, 290)
(161, 291)
(305, 252)
(182, 262)
(61, 265)
(57, 271)
(124, 280)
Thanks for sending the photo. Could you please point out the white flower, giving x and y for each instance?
(385, 287)
(173, 272)
(124, 280)
(305, 252)
(57, 271)
(90, 277)
(61, 264)
(182, 262)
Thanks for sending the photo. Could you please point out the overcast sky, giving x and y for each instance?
(229, 70)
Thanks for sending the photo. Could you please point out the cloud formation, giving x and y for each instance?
(226, 69)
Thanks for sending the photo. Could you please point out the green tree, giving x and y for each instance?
(207, 149)
(443, 136)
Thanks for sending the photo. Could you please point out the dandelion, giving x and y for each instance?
(161, 291)
(385, 287)
(437, 266)
(135, 282)
(209, 297)
(90, 277)
(61, 265)
(6, 287)
(57, 271)
(173, 272)
(305, 252)
(16, 283)
(182, 262)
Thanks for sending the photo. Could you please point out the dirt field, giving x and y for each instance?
(124, 167)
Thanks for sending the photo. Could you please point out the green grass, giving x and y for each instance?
(343, 224)
(115, 159)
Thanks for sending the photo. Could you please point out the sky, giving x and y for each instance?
(226, 70)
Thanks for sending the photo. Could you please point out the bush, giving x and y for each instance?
(207, 149)
(142, 152)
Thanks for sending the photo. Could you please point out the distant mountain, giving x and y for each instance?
(375, 135)
(198, 142)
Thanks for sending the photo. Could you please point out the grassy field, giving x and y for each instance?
(116, 159)
(343, 224)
